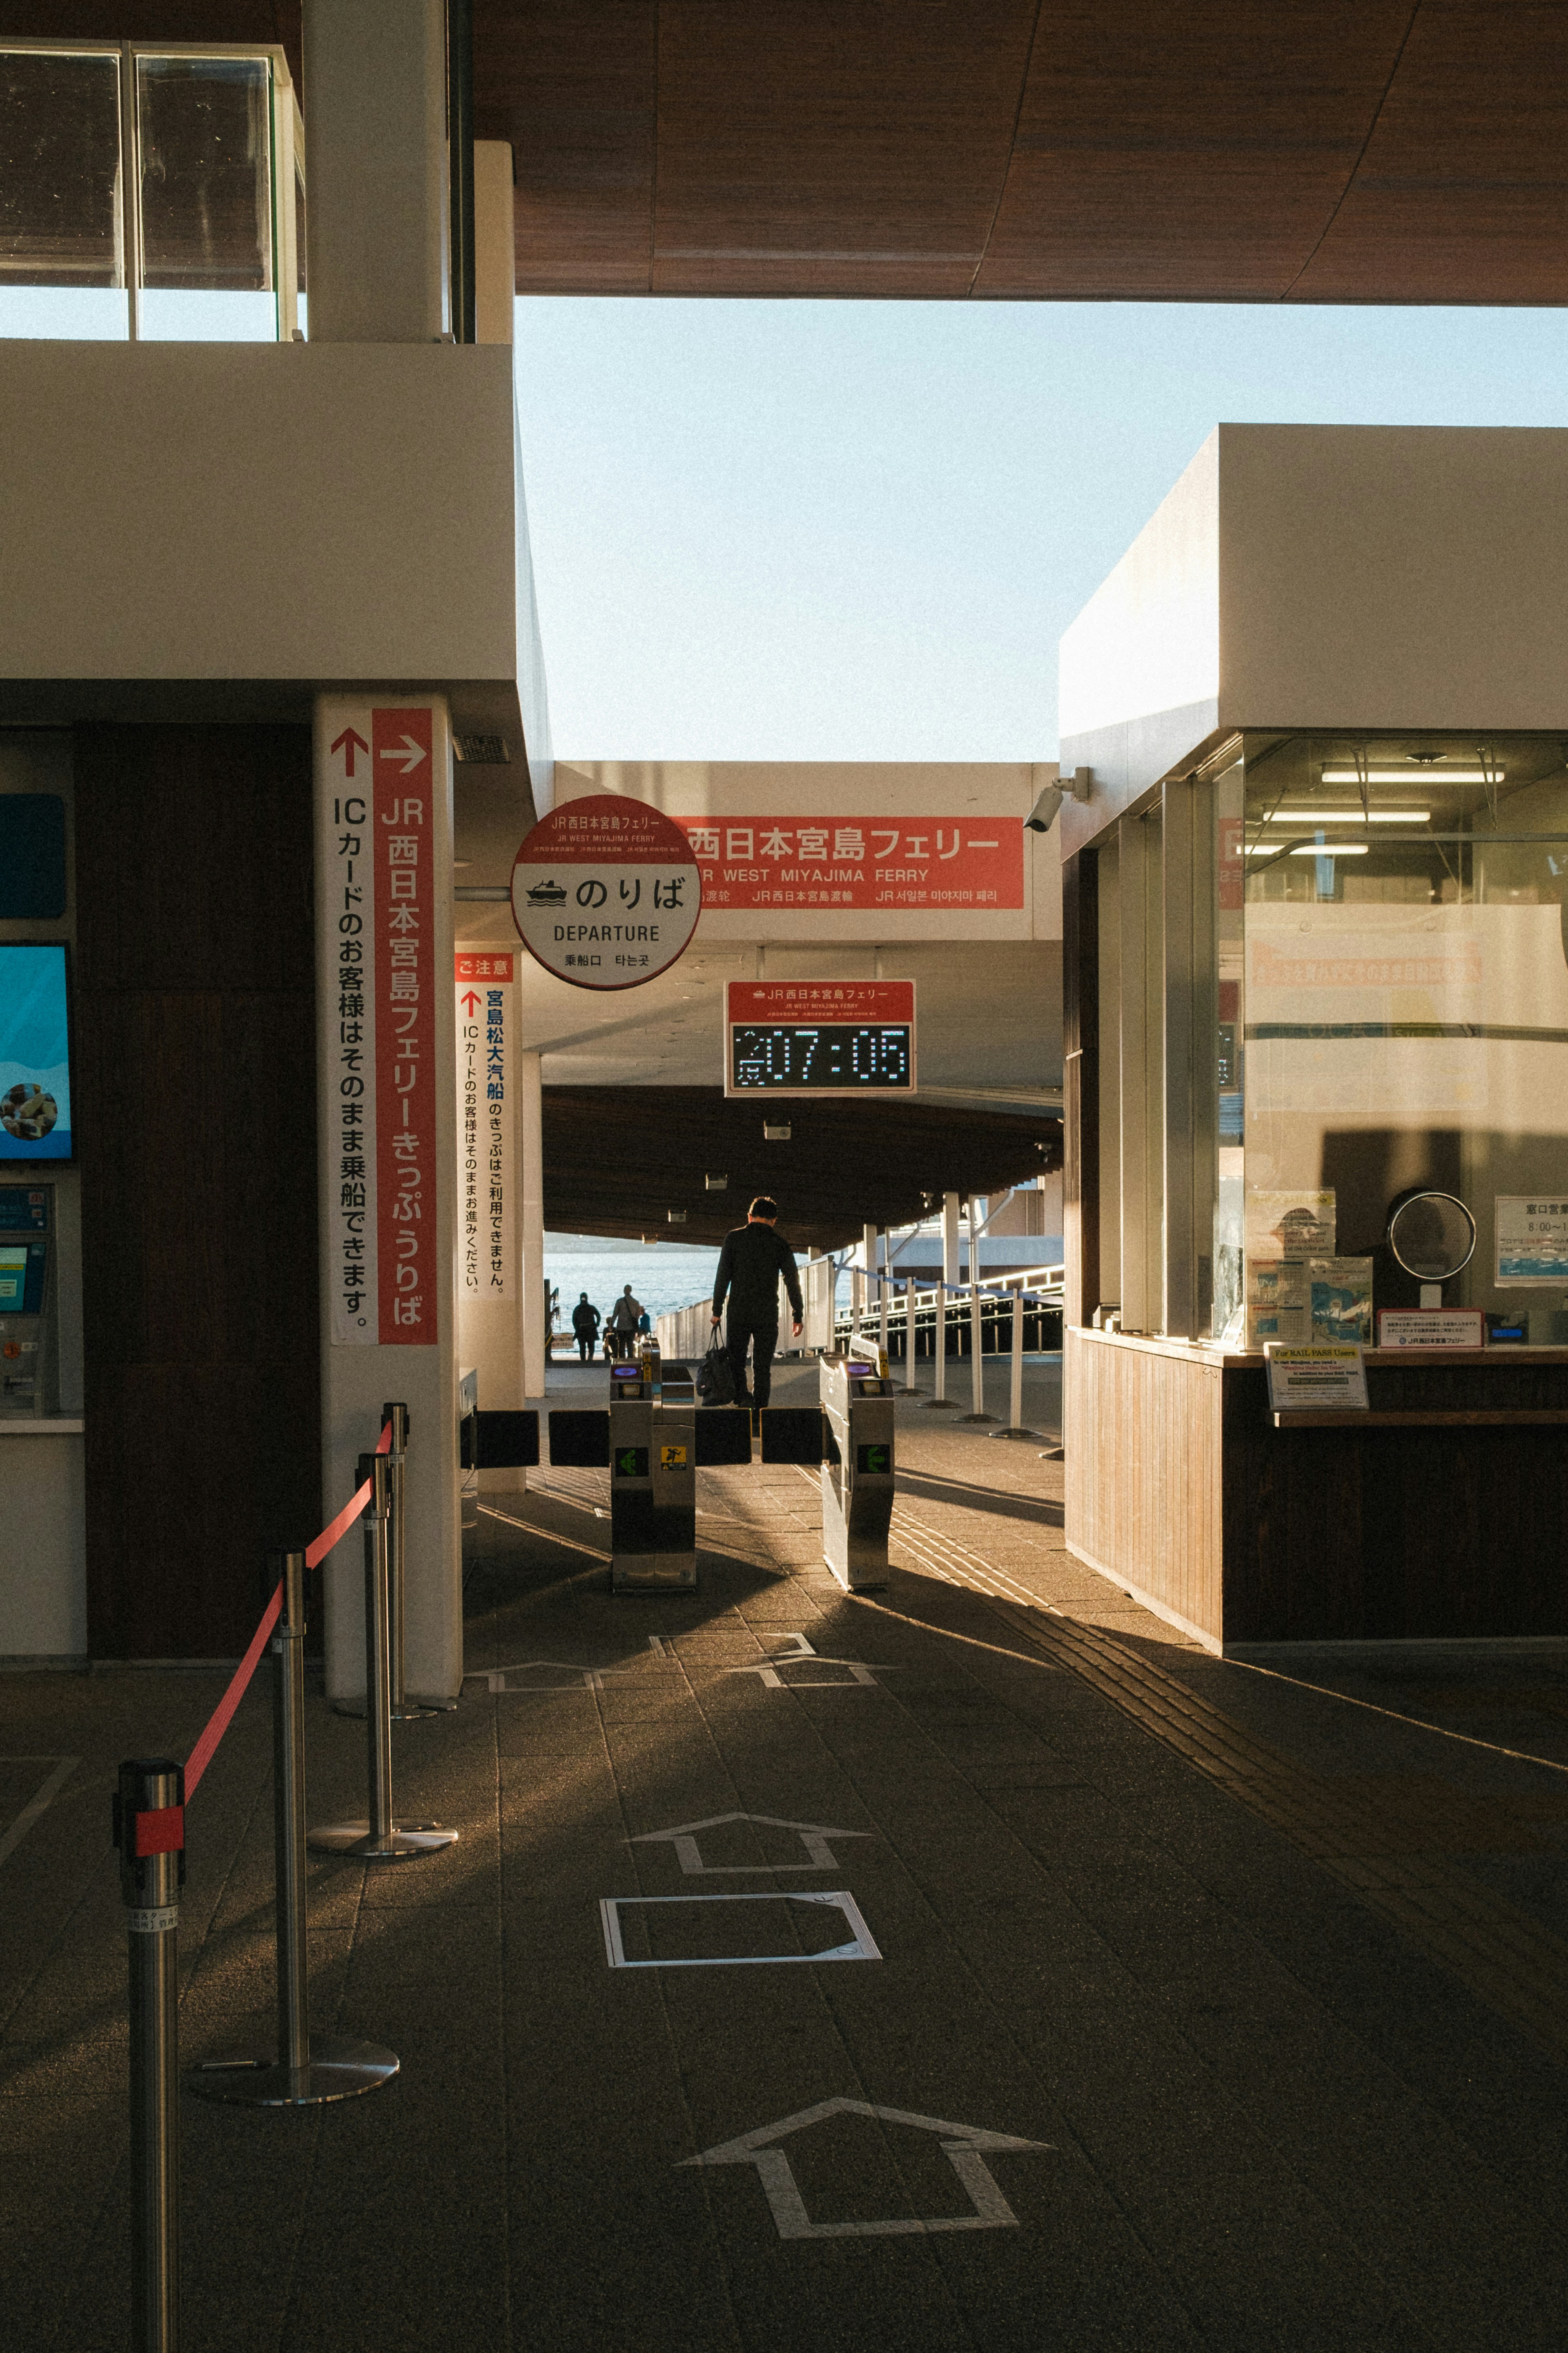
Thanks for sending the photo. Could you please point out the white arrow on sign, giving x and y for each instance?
(965, 2147)
(814, 1836)
(408, 752)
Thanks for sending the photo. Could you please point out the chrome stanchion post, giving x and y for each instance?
(149, 1832)
(381, 1840)
(1016, 1428)
(336, 2067)
(976, 1339)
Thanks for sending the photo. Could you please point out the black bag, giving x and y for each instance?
(716, 1381)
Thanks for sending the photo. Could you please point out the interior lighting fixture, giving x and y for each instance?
(1402, 777)
(1331, 849)
(1347, 816)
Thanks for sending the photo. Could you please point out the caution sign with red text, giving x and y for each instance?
(406, 1002)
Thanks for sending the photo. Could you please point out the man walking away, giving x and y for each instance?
(750, 1265)
(586, 1324)
(623, 1317)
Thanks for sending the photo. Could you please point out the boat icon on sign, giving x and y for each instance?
(547, 894)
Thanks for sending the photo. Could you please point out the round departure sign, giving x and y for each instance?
(605, 893)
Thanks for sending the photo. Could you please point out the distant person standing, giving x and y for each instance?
(753, 1260)
(623, 1317)
(586, 1324)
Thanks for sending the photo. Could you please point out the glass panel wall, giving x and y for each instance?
(1402, 992)
(60, 236)
(149, 191)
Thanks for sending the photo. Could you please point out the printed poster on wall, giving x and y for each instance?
(1532, 1240)
(485, 1186)
(380, 885)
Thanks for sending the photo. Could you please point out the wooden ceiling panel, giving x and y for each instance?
(571, 83)
(833, 146)
(1462, 195)
(1187, 150)
(618, 1159)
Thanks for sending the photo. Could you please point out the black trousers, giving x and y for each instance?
(587, 1347)
(761, 1339)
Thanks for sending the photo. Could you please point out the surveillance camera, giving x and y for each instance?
(1043, 816)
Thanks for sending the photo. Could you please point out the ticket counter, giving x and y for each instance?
(1317, 1058)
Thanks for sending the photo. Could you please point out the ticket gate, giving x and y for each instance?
(29, 1371)
(653, 1495)
(857, 1470)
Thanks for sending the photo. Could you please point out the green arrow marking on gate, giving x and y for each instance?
(631, 1463)
(873, 1458)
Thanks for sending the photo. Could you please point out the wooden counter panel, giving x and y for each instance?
(1141, 1434)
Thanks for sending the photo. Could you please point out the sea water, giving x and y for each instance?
(663, 1275)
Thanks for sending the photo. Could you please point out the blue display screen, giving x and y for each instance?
(35, 1055)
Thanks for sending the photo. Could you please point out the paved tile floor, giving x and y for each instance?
(1033, 1979)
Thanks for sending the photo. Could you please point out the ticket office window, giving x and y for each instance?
(1402, 992)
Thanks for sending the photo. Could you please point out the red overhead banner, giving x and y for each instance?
(822, 1000)
(934, 863)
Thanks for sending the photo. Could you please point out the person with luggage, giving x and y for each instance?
(586, 1324)
(624, 1318)
(750, 1265)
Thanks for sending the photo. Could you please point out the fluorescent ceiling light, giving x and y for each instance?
(1347, 816)
(1404, 776)
(1331, 849)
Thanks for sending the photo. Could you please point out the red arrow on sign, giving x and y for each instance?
(469, 1001)
(345, 744)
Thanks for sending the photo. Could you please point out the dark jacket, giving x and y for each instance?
(749, 1264)
(584, 1320)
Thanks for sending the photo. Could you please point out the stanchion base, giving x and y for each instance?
(340, 2069)
(940, 1405)
(1036, 1434)
(1054, 1454)
(977, 1417)
(407, 1838)
(432, 1703)
(412, 1712)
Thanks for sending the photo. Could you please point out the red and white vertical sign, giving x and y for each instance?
(405, 1017)
(378, 870)
(486, 1185)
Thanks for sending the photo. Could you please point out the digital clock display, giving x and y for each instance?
(823, 1057)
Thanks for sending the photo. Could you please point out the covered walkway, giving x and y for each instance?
(1068, 1987)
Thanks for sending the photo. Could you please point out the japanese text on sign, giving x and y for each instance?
(484, 1019)
(407, 1284)
(930, 863)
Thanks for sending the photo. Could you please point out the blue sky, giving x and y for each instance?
(856, 530)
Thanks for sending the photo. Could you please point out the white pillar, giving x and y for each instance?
(976, 1328)
(376, 223)
(495, 242)
(535, 1322)
(386, 1115)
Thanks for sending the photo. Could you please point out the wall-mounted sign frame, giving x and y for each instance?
(819, 1038)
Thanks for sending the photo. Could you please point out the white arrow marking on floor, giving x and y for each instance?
(814, 1836)
(591, 1678)
(965, 2147)
(408, 752)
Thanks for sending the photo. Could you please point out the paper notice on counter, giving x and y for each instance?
(1290, 1225)
(1430, 1327)
(1316, 1380)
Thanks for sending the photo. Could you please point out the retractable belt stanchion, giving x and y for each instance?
(938, 1397)
(977, 1352)
(333, 2068)
(394, 1417)
(149, 1832)
(1016, 1425)
(379, 1840)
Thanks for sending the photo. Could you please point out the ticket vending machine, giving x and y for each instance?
(856, 1472)
(30, 1352)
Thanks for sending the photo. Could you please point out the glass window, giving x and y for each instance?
(61, 254)
(203, 126)
(1393, 965)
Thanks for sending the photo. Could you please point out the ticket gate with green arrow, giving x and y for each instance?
(653, 1496)
(856, 1472)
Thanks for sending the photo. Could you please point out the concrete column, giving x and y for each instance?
(376, 223)
(950, 1261)
(535, 1322)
